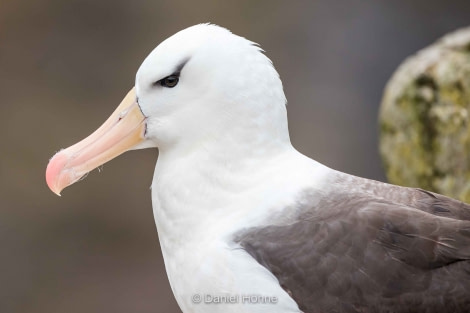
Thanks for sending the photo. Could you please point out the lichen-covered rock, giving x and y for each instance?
(425, 122)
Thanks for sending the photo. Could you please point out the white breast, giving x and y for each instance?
(195, 222)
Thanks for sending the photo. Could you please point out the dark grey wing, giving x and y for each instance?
(368, 256)
(440, 205)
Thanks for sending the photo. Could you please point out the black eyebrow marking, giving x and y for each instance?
(180, 66)
(176, 72)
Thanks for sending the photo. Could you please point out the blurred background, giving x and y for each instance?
(64, 67)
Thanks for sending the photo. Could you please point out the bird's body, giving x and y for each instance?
(248, 224)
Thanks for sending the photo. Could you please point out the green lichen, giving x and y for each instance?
(424, 119)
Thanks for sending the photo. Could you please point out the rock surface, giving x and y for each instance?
(424, 119)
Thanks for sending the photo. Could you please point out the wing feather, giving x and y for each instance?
(363, 253)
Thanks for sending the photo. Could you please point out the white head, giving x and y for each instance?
(226, 87)
(202, 89)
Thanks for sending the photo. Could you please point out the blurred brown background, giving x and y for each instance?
(65, 65)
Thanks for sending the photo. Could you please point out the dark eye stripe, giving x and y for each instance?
(176, 73)
(180, 66)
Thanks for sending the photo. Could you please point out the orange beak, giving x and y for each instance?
(123, 130)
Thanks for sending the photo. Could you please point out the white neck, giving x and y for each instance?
(202, 195)
(203, 179)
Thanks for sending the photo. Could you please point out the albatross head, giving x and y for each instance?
(202, 87)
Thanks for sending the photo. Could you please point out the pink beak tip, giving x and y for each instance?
(54, 171)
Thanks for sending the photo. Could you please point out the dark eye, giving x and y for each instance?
(170, 81)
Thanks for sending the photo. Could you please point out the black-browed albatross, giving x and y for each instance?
(248, 224)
